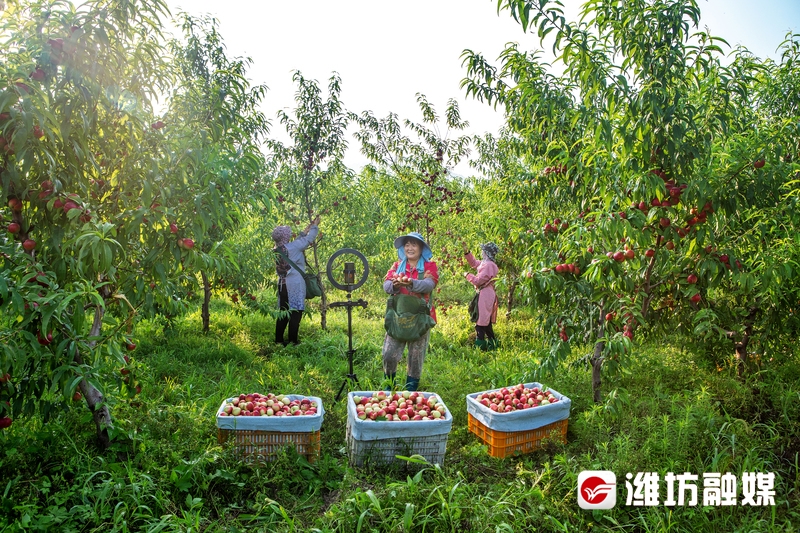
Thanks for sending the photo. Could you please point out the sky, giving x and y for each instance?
(387, 52)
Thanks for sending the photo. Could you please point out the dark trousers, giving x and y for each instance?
(290, 318)
(485, 332)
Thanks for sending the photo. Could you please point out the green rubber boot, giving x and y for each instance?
(483, 344)
(392, 382)
(412, 384)
(493, 343)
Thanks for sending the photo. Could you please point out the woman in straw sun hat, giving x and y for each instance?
(414, 273)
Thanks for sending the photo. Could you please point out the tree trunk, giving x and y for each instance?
(323, 314)
(206, 300)
(94, 398)
(512, 288)
(648, 287)
(597, 375)
(597, 357)
(323, 311)
(741, 345)
(741, 355)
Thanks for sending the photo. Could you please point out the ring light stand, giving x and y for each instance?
(349, 286)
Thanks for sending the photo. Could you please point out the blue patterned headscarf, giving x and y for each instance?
(426, 255)
(490, 251)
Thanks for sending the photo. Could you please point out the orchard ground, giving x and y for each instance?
(674, 411)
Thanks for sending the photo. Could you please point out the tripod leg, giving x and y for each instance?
(341, 389)
(352, 375)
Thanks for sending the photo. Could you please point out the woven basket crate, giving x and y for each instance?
(261, 438)
(504, 443)
(379, 443)
(263, 446)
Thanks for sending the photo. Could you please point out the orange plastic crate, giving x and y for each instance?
(262, 446)
(503, 443)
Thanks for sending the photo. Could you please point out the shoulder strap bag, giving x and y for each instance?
(407, 318)
(474, 312)
(313, 285)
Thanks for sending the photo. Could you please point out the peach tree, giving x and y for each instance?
(414, 161)
(309, 174)
(101, 220)
(508, 210)
(74, 113)
(213, 158)
(755, 303)
(639, 133)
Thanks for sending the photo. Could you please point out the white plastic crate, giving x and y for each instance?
(379, 443)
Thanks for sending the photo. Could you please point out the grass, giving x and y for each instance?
(672, 411)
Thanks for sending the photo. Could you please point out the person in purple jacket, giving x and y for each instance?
(483, 282)
(291, 285)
